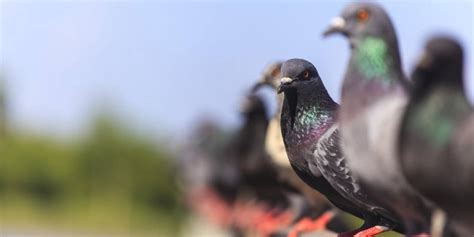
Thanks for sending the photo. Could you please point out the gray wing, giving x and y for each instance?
(462, 155)
(332, 164)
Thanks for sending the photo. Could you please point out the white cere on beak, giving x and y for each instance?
(338, 22)
(424, 60)
(286, 80)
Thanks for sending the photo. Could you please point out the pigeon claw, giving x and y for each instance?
(372, 231)
(272, 222)
(365, 232)
(308, 225)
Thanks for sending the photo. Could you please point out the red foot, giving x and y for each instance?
(210, 204)
(372, 231)
(369, 232)
(246, 214)
(273, 222)
(308, 225)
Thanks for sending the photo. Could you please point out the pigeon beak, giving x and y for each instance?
(257, 87)
(425, 60)
(337, 25)
(284, 83)
(419, 75)
(259, 84)
(423, 65)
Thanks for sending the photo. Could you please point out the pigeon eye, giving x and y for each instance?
(306, 74)
(362, 15)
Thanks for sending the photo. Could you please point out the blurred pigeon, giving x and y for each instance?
(315, 204)
(311, 136)
(274, 141)
(246, 153)
(374, 94)
(258, 175)
(204, 146)
(197, 164)
(241, 186)
(437, 133)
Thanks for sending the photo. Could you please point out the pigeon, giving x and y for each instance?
(246, 152)
(374, 95)
(258, 182)
(310, 131)
(313, 203)
(198, 171)
(437, 133)
(241, 191)
(198, 157)
(274, 141)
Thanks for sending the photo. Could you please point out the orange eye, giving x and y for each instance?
(306, 74)
(362, 15)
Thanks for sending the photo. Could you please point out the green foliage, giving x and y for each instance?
(120, 175)
(35, 167)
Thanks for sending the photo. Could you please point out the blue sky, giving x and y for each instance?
(162, 65)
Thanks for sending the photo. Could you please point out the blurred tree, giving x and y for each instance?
(112, 174)
(3, 127)
(115, 160)
(3, 106)
(37, 167)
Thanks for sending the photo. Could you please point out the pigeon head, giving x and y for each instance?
(271, 77)
(297, 73)
(441, 62)
(252, 105)
(373, 42)
(360, 20)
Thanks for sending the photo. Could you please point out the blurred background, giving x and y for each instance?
(98, 97)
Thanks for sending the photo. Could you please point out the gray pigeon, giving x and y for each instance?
(311, 136)
(437, 133)
(315, 204)
(274, 141)
(374, 95)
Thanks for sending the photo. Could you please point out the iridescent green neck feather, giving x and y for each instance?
(372, 59)
(311, 115)
(312, 120)
(434, 119)
(308, 113)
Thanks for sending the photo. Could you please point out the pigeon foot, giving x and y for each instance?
(362, 232)
(272, 222)
(308, 225)
(373, 231)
